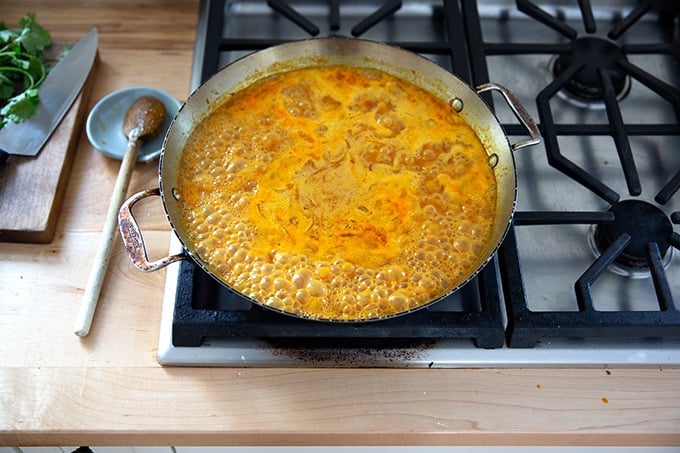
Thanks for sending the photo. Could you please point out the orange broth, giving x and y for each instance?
(337, 193)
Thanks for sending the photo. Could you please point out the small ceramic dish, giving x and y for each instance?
(105, 122)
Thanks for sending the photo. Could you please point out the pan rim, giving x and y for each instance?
(212, 99)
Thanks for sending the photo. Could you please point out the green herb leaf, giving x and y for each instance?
(33, 37)
(22, 106)
(22, 69)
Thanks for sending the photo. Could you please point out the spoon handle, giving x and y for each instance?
(103, 255)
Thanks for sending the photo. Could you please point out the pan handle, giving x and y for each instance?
(520, 112)
(132, 235)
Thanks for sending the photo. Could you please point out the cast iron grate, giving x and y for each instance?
(601, 73)
(204, 309)
(604, 78)
(466, 51)
(526, 327)
(446, 19)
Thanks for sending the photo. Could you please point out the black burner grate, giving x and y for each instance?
(602, 79)
(454, 38)
(453, 43)
(204, 309)
(603, 64)
(526, 327)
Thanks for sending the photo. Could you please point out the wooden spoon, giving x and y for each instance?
(143, 119)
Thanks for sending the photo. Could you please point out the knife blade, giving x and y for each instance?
(57, 92)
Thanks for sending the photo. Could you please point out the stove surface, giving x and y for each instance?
(559, 291)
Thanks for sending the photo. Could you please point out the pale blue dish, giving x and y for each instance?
(105, 122)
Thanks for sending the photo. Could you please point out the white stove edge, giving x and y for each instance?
(443, 354)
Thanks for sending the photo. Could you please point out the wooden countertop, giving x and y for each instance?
(58, 389)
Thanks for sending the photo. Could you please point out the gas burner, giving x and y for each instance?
(645, 224)
(592, 54)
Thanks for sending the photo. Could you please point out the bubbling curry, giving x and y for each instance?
(337, 193)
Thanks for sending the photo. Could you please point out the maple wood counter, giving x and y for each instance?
(59, 389)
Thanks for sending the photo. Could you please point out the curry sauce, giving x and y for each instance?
(337, 193)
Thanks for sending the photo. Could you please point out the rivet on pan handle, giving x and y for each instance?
(520, 112)
(132, 235)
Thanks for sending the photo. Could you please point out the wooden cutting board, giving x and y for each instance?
(32, 188)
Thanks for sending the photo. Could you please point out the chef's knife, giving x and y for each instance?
(57, 92)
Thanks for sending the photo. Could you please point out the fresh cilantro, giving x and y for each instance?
(32, 37)
(21, 106)
(22, 68)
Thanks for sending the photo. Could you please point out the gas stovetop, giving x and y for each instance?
(588, 276)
